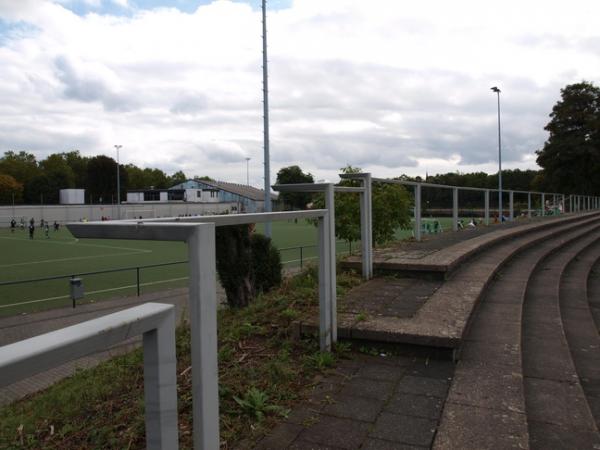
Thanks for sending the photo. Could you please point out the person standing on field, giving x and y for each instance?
(31, 229)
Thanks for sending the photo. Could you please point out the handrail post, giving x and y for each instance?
(543, 205)
(365, 228)
(324, 288)
(529, 205)
(418, 212)
(454, 209)
(368, 185)
(137, 270)
(511, 210)
(486, 201)
(203, 320)
(330, 243)
(160, 385)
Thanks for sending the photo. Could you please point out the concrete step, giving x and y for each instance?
(579, 326)
(440, 261)
(558, 414)
(485, 407)
(441, 321)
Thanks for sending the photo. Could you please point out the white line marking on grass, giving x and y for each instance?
(76, 241)
(73, 258)
(150, 283)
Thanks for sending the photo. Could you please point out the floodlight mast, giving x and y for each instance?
(497, 91)
(266, 119)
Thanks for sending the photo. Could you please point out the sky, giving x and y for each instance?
(390, 86)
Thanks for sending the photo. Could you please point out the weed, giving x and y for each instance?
(255, 403)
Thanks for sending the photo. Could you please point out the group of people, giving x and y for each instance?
(44, 225)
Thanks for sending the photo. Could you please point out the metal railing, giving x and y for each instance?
(155, 321)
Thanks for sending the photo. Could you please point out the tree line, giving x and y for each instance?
(23, 179)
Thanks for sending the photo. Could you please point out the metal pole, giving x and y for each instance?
(160, 385)
(247, 171)
(137, 269)
(301, 258)
(529, 205)
(266, 119)
(324, 287)
(118, 147)
(330, 243)
(543, 204)
(511, 211)
(418, 212)
(497, 91)
(486, 201)
(454, 209)
(368, 184)
(203, 320)
(571, 203)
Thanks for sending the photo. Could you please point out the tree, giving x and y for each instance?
(570, 158)
(10, 190)
(21, 166)
(177, 178)
(102, 179)
(294, 175)
(391, 210)
(78, 165)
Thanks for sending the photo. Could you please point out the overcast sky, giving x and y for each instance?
(387, 85)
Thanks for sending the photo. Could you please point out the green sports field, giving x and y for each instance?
(61, 255)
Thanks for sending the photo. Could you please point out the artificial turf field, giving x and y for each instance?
(62, 255)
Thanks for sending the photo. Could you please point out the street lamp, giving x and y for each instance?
(247, 171)
(497, 91)
(118, 147)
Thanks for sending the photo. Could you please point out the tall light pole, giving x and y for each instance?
(118, 147)
(247, 171)
(266, 119)
(497, 91)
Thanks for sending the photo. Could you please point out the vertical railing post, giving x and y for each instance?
(543, 204)
(160, 386)
(418, 212)
(365, 228)
(454, 209)
(368, 184)
(203, 320)
(529, 205)
(511, 210)
(486, 201)
(571, 203)
(330, 205)
(324, 288)
(554, 201)
(137, 280)
(562, 202)
(301, 257)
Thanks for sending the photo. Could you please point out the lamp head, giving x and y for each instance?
(495, 89)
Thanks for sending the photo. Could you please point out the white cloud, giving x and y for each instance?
(386, 85)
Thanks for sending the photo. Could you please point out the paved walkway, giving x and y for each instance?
(16, 328)
(370, 402)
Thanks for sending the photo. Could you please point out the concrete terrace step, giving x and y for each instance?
(579, 326)
(442, 320)
(486, 407)
(442, 262)
(558, 414)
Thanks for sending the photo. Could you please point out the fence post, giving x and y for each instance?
(137, 269)
(543, 204)
(418, 212)
(330, 243)
(324, 288)
(511, 210)
(529, 205)
(203, 320)
(366, 233)
(160, 385)
(486, 202)
(454, 209)
(301, 257)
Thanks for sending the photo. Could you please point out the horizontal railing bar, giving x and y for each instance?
(37, 354)
(59, 277)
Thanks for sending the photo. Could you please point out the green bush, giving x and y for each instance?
(266, 263)
(247, 264)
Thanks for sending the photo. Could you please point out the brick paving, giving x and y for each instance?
(369, 402)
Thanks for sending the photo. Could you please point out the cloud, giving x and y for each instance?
(388, 88)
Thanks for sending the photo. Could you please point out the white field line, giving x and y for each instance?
(73, 258)
(95, 292)
(80, 244)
